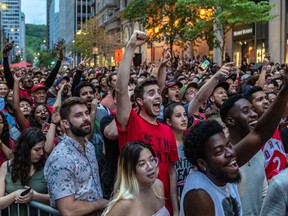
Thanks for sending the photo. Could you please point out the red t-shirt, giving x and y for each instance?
(162, 140)
(275, 156)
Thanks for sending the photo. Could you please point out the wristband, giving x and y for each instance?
(53, 123)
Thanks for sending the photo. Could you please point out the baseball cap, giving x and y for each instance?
(232, 76)
(61, 78)
(185, 87)
(172, 83)
(38, 86)
(224, 85)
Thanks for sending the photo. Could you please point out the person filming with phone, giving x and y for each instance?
(21, 178)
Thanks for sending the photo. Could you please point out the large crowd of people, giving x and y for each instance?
(173, 138)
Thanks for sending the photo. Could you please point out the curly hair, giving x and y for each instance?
(5, 135)
(31, 117)
(21, 162)
(80, 86)
(194, 142)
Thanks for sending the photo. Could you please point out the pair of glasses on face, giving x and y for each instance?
(150, 163)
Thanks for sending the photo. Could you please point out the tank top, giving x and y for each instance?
(226, 199)
(162, 212)
(37, 182)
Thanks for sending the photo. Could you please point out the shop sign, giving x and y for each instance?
(243, 32)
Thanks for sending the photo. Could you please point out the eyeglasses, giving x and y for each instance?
(152, 162)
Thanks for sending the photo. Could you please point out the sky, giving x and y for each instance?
(35, 11)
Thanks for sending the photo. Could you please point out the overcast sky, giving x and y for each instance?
(35, 11)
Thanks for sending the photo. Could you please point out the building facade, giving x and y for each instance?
(13, 26)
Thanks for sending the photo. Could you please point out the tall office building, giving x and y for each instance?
(13, 22)
(65, 18)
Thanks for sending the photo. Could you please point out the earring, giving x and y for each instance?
(204, 169)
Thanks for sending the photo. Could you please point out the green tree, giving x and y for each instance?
(91, 35)
(46, 58)
(34, 37)
(225, 14)
(163, 20)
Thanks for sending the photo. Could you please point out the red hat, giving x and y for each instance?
(38, 86)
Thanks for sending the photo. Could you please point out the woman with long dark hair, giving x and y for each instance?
(24, 170)
(6, 144)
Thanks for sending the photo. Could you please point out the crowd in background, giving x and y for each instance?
(136, 143)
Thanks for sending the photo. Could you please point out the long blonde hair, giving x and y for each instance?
(126, 185)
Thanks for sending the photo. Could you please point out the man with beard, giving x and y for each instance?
(274, 152)
(239, 116)
(144, 126)
(71, 170)
(211, 190)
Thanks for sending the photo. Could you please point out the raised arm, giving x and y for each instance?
(7, 73)
(58, 101)
(160, 73)
(82, 66)
(50, 79)
(55, 119)
(261, 81)
(265, 127)
(122, 99)
(207, 89)
(21, 120)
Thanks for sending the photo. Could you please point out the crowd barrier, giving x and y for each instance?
(41, 209)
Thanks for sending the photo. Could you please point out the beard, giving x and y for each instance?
(80, 131)
(220, 175)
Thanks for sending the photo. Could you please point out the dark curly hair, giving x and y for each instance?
(21, 163)
(80, 86)
(5, 133)
(194, 142)
(31, 117)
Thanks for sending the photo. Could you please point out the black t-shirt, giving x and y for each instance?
(112, 154)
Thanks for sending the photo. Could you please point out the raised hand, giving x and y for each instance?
(138, 38)
(17, 77)
(59, 48)
(83, 65)
(166, 56)
(224, 70)
(7, 48)
(55, 117)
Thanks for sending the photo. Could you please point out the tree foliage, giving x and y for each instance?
(91, 35)
(225, 14)
(164, 20)
(178, 21)
(34, 37)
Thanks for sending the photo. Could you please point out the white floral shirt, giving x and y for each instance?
(71, 170)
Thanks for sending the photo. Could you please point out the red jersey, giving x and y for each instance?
(275, 156)
(162, 141)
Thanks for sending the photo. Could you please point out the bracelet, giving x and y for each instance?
(53, 123)
(263, 68)
(197, 77)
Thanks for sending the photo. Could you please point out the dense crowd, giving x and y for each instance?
(179, 137)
